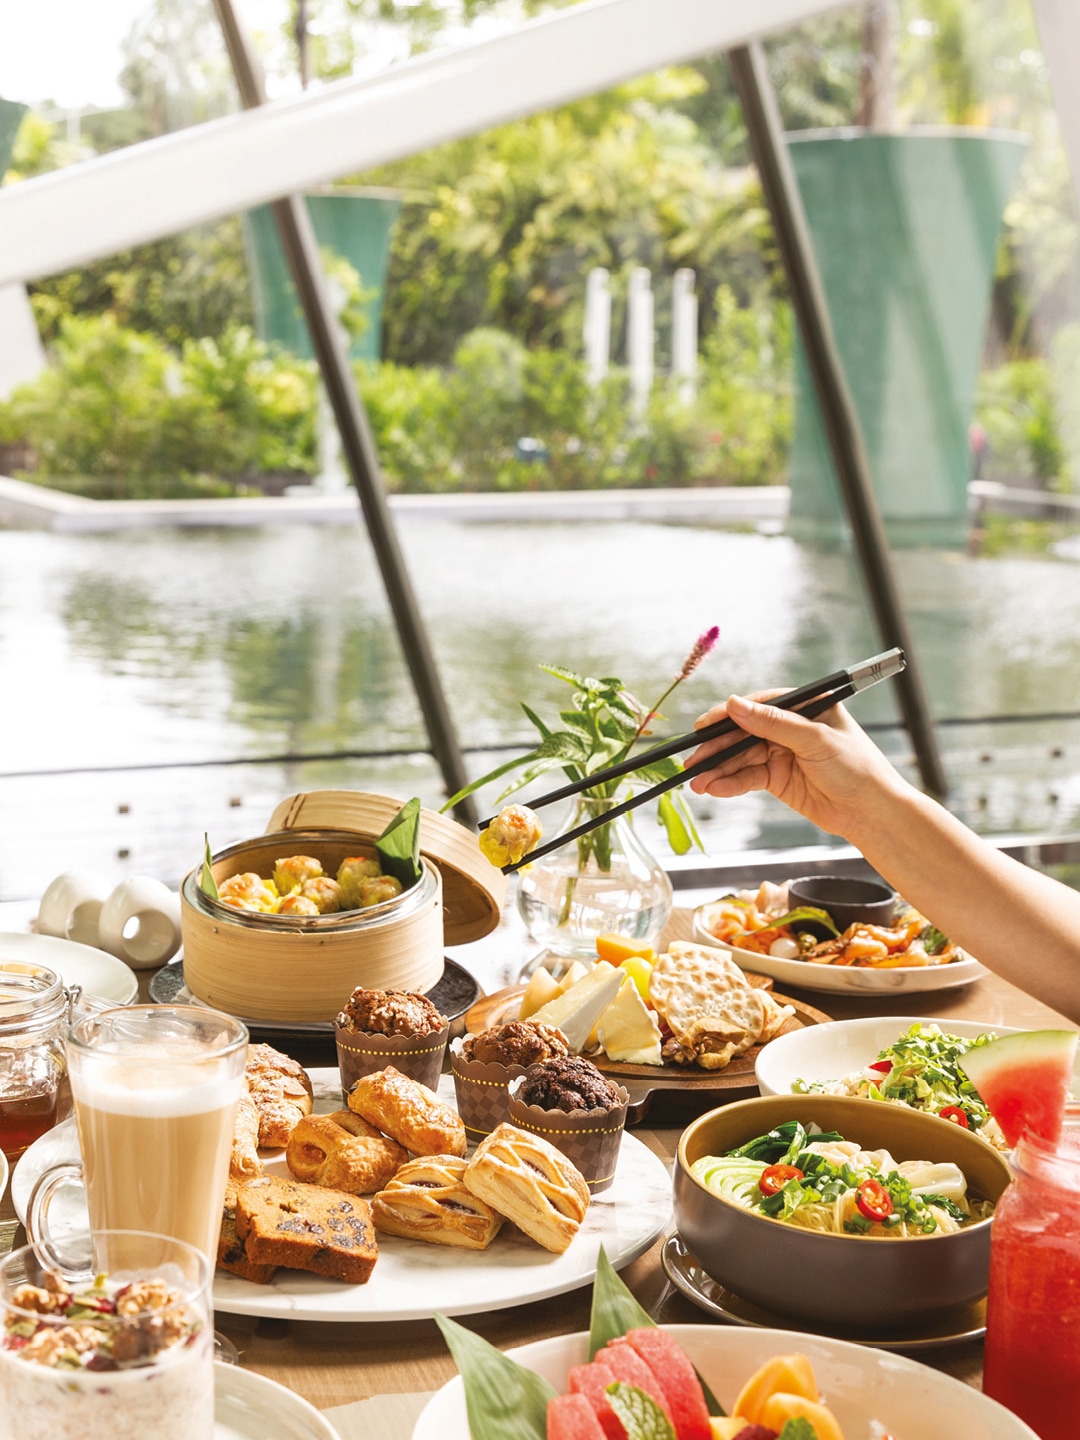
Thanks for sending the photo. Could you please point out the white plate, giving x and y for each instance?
(860, 1384)
(99, 973)
(251, 1407)
(412, 1279)
(843, 979)
(834, 1051)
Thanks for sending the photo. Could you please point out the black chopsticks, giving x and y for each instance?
(810, 700)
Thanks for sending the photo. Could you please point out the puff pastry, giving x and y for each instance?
(409, 1113)
(244, 1161)
(281, 1091)
(426, 1200)
(531, 1183)
(342, 1152)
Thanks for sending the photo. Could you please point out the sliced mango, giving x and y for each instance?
(790, 1374)
(726, 1427)
(780, 1408)
(541, 988)
(617, 948)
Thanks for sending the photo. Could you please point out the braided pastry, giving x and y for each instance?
(427, 1201)
(342, 1152)
(281, 1091)
(244, 1161)
(531, 1183)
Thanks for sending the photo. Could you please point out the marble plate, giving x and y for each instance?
(910, 1400)
(412, 1279)
(100, 974)
(251, 1407)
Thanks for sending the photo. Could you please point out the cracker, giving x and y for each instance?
(711, 1010)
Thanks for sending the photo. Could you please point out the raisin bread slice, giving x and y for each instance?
(306, 1227)
(231, 1254)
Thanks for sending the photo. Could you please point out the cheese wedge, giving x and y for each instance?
(577, 971)
(577, 1010)
(541, 988)
(628, 1030)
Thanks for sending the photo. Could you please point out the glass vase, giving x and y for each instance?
(606, 881)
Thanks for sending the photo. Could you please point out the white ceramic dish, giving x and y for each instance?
(412, 1279)
(860, 1384)
(842, 979)
(101, 975)
(829, 1052)
(251, 1407)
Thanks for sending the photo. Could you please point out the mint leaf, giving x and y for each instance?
(641, 1416)
(798, 1428)
(504, 1400)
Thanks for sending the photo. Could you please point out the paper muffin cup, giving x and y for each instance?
(589, 1139)
(483, 1097)
(361, 1052)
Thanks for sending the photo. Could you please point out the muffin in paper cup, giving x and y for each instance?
(483, 1097)
(589, 1139)
(361, 1053)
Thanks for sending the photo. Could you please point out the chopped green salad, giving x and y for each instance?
(819, 1181)
(921, 1069)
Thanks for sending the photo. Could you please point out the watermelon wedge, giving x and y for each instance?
(621, 1357)
(592, 1382)
(571, 1417)
(1024, 1081)
(671, 1365)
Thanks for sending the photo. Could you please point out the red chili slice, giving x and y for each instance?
(874, 1201)
(775, 1177)
(883, 1065)
(956, 1115)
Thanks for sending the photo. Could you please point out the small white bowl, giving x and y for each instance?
(830, 1052)
(841, 979)
(859, 1383)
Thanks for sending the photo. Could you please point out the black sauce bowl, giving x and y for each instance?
(848, 901)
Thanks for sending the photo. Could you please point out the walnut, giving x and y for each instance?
(144, 1295)
(40, 1302)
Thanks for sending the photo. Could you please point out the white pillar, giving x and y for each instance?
(639, 338)
(684, 337)
(22, 357)
(597, 328)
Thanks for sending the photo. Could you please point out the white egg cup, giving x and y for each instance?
(71, 907)
(140, 923)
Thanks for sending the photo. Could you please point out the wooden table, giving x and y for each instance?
(333, 1364)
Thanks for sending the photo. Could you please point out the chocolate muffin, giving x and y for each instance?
(519, 1042)
(390, 1012)
(568, 1083)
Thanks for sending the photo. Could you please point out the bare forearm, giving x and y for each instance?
(1019, 922)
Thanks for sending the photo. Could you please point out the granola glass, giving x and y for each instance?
(121, 1351)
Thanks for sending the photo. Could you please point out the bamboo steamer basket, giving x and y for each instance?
(302, 970)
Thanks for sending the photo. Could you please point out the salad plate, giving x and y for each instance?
(100, 974)
(863, 1385)
(844, 979)
(412, 1279)
(954, 1327)
(248, 1406)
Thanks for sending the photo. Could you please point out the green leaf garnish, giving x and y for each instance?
(934, 940)
(675, 825)
(398, 847)
(798, 1428)
(641, 1416)
(207, 881)
(504, 1400)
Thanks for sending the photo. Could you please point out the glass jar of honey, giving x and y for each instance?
(35, 1014)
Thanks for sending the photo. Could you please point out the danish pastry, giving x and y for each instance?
(409, 1113)
(531, 1183)
(244, 1161)
(426, 1200)
(342, 1152)
(281, 1091)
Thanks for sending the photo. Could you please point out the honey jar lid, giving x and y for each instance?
(474, 891)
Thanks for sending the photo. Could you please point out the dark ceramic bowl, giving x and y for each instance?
(838, 1280)
(848, 901)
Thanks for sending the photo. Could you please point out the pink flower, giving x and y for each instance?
(701, 647)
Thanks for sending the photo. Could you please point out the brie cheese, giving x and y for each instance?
(577, 1010)
(628, 1030)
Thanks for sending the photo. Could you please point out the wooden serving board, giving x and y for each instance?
(686, 1090)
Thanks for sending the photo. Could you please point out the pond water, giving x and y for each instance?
(178, 651)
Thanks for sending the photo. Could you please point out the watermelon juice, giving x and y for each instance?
(1033, 1313)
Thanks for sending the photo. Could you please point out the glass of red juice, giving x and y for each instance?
(1033, 1310)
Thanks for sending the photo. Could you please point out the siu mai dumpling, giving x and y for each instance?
(352, 870)
(290, 873)
(511, 835)
(325, 893)
(297, 904)
(248, 892)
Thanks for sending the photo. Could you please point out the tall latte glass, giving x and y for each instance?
(155, 1090)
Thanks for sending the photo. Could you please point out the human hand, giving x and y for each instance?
(827, 769)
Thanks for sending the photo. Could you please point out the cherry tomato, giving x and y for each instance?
(956, 1115)
(874, 1201)
(883, 1065)
(775, 1177)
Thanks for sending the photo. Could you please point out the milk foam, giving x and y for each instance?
(161, 1096)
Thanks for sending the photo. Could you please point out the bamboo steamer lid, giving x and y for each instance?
(474, 891)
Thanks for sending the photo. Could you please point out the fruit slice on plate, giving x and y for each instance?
(1024, 1081)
